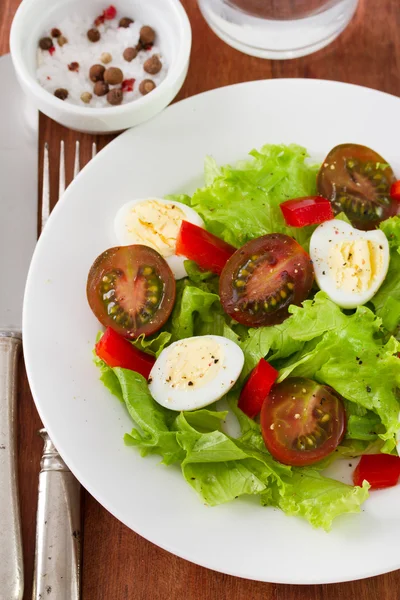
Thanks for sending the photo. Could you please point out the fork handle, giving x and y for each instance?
(11, 565)
(58, 523)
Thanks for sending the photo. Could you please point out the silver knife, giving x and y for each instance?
(18, 231)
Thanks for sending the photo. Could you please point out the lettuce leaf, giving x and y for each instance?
(274, 174)
(153, 435)
(387, 301)
(311, 321)
(108, 377)
(316, 498)
(352, 356)
(154, 344)
(195, 312)
(220, 468)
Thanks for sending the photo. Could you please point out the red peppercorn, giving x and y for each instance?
(127, 85)
(110, 12)
(99, 20)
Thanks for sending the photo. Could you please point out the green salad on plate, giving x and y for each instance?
(273, 294)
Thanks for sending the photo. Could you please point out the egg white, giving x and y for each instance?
(125, 238)
(324, 238)
(192, 398)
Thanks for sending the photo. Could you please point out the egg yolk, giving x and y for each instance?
(193, 363)
(354, 264)
(155, 224)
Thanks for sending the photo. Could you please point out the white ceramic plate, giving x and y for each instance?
(87, 424)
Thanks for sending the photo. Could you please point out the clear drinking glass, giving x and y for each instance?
(278, 29)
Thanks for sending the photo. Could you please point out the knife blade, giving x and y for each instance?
(18, 232)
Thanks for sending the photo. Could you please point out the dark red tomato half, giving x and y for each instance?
(262, 279)
(302, 421)
(357, 181)
(131, 289)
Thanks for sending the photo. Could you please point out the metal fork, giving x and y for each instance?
(58, 522)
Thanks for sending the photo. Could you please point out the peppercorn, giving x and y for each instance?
(55, 32)
(146, 86)
(99, 20)
(61, 41)
(93, 35)
(129, 54)
(113, 76)
(46, 43)
(152, 65)
(106, 58)
(96, 73)
(128, 85)
(101, 88)
(147, 35)
(125, 22)
(114, 97)
(74, 66)
(61, 93)
(86, 97)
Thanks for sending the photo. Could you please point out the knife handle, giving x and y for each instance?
(58, 529)
(11, 565)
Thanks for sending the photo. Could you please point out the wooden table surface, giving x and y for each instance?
(117, 563)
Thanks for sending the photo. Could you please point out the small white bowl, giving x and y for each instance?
(168, 18)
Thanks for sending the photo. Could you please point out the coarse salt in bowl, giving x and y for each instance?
(173, 42)
(68, 66)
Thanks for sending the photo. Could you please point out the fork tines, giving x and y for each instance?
(61, 180)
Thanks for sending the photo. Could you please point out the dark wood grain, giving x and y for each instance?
(118, 564)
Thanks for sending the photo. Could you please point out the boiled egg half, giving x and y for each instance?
(155, 222)
(195, 372)
(350, 265)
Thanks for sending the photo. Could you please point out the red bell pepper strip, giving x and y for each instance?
(380, 470)
(310, 210)
(116, 351)
(207, 250)
(257, 388)
(395, 190)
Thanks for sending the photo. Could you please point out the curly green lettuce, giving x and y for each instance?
(387, 301)
(273, 174)
(355, 352)
(221, 469)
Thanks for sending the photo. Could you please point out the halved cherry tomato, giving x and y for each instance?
(380, 470)
(131, 289)
(262, 279)
(116, 351)
(357, 181)
(257, 388)
(207, 250)
(395, 191)
(310, 210)
(302, 421)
